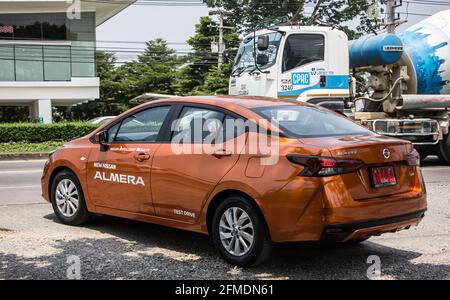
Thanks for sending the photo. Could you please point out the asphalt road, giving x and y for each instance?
(33, 245)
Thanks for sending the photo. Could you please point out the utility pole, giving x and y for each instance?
(392, 20)
(221, 45)
(390, 11)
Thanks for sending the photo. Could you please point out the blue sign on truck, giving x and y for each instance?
(301, 78)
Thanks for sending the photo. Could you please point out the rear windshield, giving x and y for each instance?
(310, 121)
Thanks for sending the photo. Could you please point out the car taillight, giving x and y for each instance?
(413, 159)
(319, 166)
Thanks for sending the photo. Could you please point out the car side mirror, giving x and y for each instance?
(263, 42)
(262, 59)
(102, 139)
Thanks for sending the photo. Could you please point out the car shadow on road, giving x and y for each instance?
(133, 250)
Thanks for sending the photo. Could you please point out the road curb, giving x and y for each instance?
(23, 156)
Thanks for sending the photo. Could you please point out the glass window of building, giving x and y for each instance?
(74, 57)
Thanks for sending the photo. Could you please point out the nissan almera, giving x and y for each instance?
(249, 172)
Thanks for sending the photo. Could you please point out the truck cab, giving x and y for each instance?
(300, 63)
(312, 64)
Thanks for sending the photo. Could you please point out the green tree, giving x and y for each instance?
(198, 64)
(107, 104)
(216, 81)
(250, 14)
(338, 12)
(10, 114)
(155, 71)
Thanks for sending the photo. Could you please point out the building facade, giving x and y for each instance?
(47, 53)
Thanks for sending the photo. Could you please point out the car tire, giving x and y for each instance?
(237, 221)
(355, 241)
(444, 149)
(68, 199)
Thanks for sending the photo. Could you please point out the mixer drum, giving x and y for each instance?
(427, 55)
(375, 50)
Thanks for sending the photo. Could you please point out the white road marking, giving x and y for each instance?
(19, 187)
(23, 204)
(21, 161)
(21, 171)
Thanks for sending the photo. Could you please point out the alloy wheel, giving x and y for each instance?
(236, 231)
(67, 198)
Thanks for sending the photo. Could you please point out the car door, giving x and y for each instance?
(120, 177)
(303, 66)
(185, 171)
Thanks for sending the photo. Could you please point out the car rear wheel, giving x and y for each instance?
(240, 233)
(68, 199)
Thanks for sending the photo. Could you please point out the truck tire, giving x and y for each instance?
(424, 153)
(444, 149)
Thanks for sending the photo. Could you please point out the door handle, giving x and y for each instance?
(142, 157)
(222, 153)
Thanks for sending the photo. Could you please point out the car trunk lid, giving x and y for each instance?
(382, 155)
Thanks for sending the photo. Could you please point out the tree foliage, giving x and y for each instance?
(216, 81)
(248, 15)
(201, 62)
(107, 103)
(155, 70)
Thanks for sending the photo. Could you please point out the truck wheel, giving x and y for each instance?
(444, 149)
(68, 199)
(423, 154)
(239, 233)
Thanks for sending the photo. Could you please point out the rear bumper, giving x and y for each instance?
(365, 229)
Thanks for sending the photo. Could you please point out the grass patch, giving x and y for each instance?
(21, 147)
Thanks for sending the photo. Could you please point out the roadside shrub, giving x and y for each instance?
(39, 133)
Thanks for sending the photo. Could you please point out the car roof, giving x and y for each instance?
(241, 105)
(228, 102)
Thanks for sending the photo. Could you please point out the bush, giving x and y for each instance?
(39, 133)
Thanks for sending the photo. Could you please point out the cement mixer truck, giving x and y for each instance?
(396, 85)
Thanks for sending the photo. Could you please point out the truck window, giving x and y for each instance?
(245, 56)
(301, 49)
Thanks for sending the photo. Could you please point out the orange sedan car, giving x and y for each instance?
(246, 171)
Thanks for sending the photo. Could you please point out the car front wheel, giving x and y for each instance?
(68, 199)
(239, 233)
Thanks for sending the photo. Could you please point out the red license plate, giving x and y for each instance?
(383, 177)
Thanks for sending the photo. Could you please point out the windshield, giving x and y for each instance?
(310, 121)
(245, 56)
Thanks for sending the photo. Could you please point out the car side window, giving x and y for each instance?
(233, 128)
(198, 126)
(301, 49)
(143, 126)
